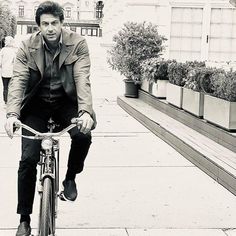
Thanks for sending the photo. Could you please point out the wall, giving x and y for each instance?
(197, 29)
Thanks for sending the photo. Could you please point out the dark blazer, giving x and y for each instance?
(74, 66)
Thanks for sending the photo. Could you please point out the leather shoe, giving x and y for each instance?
(70, 191)
(24, 229)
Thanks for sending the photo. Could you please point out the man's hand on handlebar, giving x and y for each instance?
(84, 122)
(10, 125)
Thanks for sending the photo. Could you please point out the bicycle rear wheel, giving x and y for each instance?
(47, 220)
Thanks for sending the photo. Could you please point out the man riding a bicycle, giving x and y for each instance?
(50, 79)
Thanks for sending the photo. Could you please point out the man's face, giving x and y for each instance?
(233, 2)
(50, 27)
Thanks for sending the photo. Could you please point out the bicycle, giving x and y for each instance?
(48, 184)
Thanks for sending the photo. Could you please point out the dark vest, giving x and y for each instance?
(51, 89)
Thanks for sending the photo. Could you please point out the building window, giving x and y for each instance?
(67, 12)
(21, 11)
(31, 29)
(99, 7)
(83, 31)
(95, 32)
(89, 31)
(222, 35)
(186, 33)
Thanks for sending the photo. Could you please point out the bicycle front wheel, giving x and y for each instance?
(47, 209)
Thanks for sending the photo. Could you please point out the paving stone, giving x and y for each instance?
(175, 232)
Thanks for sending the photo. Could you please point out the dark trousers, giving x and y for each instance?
(37, 118)
(5, 82)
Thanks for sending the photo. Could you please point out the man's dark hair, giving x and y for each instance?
(49, 7)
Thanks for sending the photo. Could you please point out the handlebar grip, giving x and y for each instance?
(76, 120)
(16, 125)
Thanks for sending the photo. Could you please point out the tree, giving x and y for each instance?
(7, 22)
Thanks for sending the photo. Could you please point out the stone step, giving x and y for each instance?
(219, 135)
(215, 159)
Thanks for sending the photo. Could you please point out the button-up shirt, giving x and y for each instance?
(51, 88)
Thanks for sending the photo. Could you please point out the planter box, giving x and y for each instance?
(158, 89)
(174, 95)
(145, 85)
(193, 102)
(131, 89)
(220, 112)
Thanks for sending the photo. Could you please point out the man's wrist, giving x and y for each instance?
(81, 112)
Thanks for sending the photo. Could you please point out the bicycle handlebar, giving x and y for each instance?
(39, 135)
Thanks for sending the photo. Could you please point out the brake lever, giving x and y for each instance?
(77, 121)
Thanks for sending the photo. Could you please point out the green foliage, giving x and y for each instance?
(194, 64)
(177, 73)
(224, 85)
(7, 22)
(198, 79)
(154, 69)
(214, 81)
(134, 43)
(181, 73)
(193, 79)
(206, 74)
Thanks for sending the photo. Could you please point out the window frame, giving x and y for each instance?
(206, 23)
(21, 11)
(68, 11)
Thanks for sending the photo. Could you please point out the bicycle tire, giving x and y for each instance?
(47, 215)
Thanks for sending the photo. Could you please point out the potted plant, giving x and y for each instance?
(177, 73)
(193, 97)
(155, 72)
(134, 43)
(220, 100)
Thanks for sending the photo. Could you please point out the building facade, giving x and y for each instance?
(195, 29)
(81, 16)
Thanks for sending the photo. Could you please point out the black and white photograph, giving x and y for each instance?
(118, 118)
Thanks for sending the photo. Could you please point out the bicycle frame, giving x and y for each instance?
(49, 166)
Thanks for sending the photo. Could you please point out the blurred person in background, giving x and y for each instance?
(7, 57)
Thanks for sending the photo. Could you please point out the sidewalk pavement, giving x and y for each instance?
(134, 184)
